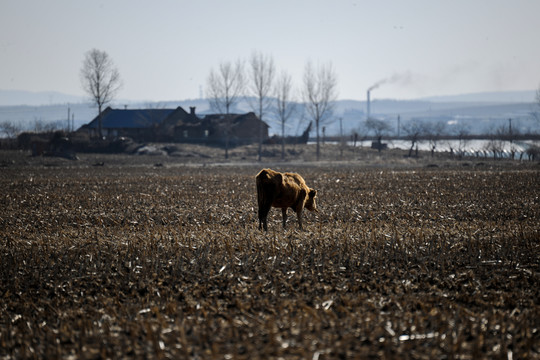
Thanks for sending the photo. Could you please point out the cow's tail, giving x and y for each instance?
(265, 189)
(262, 183)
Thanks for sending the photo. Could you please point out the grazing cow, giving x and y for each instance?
(283, 190)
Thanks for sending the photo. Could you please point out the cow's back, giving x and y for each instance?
(291, 190)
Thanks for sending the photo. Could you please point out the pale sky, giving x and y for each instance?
(164, 50)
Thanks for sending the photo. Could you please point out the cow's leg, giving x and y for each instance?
(284, 212)
(298, 210)
(300, 206)
(299, 215)
(264, 209)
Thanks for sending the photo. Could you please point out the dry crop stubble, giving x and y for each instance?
(145, 262)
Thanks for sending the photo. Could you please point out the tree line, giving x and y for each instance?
(231, 81)
(268, 90)
(265, 89)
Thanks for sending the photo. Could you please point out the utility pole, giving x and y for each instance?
(510, 130)
(68, 119)
(341, 137)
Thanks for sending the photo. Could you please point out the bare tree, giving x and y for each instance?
(503, 139)
(496, 142)
(414, 130)
(261, 81)
(462, 133)
(9, 129)
(41, 126)
(100, 79)
(285, 105)
(434, 131)
(536, 113)
(319, 93)
(379, 129)
(224, 89)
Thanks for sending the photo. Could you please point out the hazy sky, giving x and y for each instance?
(164, 50)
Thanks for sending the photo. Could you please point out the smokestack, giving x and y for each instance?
(368, 113)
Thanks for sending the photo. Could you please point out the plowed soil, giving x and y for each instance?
(104, 258)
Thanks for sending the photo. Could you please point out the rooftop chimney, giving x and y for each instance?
(192, 110)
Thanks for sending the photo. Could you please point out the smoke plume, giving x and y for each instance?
(400, 79)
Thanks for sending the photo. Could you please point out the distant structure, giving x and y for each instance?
(302, 139)
(177, 125)
(368, 100)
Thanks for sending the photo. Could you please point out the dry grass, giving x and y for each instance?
(167, 262)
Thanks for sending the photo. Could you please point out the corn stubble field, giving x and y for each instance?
(167, 262)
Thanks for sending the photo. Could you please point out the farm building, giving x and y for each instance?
(240, 128)
(177, 125)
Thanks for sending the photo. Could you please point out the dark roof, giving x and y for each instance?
(132, 119)
(234, 118)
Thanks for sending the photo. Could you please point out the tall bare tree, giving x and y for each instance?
(414, 130)
(261, 76)
(9, 129)
(319, 93)
(434, 132)
(224, 89)
(100, 79)
(462, 132)
(285, 105)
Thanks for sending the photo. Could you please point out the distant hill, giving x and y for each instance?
(524, 96)
(29, 98)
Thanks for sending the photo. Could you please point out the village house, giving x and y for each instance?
(177, 125)
(236, 129)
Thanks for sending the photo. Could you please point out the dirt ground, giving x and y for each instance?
(295, 155)
(160, 256)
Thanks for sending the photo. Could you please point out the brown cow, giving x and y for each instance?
(283, 190)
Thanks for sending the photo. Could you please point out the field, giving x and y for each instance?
(145, 257)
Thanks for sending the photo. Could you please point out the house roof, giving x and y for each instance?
(235, 119)
(131, 119)
(165, 121)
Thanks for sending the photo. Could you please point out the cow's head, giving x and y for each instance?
(310, 202)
